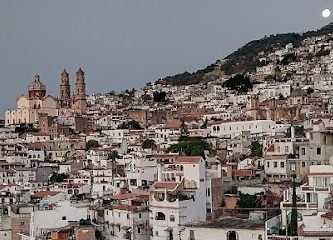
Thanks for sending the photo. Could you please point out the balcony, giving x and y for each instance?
(300, 205)
(314, 189)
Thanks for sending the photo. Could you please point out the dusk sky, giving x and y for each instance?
(124, 44)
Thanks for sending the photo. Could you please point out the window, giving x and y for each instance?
(318, 151)
(303, 151)
(160, 216)
(172, 218)
(22, 223)
(192, 235)
(286, 149)
(139, 230)
(268, 164)
(64, 218)
(275, 164)
(127, 216)
(303, 164)
(139, 215)
(118, 214)
(282, 164)
(156, 233)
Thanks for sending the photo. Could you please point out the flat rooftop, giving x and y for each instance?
(228, 222)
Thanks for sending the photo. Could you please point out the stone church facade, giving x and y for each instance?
(29, 107)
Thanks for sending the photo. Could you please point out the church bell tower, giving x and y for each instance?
(80, 98)
(65, 90)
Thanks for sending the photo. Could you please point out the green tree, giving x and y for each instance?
(299, 131)
(130, 125)
(246, 201)
(159, 96)
(293, 226)
(288, 58)
(191, 147)
(256, 149)
(113, 155)
(23, 128)
(58, 177)
(92, 144)
(148, 143)
(239, 83)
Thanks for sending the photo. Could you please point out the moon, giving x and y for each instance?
(326, 13)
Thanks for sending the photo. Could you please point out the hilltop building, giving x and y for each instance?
(36, 102)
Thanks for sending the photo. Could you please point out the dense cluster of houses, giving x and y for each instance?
(103, 166)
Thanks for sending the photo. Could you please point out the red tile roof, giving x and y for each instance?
(188, 159)
(168, 185)
(43, 194)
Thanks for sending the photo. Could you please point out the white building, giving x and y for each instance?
(60, 216)
(235, 128)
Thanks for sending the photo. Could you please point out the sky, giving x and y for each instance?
(124, 44)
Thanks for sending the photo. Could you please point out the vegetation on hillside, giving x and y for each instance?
(58, 177)
(23, 128)
(239, 83)
(256, 149)
(133, 125)
(148, 144)
(190, 147)
(187, 78)
(159, 96)
(245, 59)
(92, 144)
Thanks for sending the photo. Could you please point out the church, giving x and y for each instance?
(36, 102)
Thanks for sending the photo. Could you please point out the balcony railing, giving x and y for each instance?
(314, 189)
(301, 205)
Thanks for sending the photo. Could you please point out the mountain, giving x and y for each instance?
(245, 59)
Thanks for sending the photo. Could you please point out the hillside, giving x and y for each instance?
(245, 59)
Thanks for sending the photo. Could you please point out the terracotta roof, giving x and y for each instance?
(128, 196)
(188, 159)
(242, 172)
(36, 145)
(328, 215)
(125, 207)
(271, 148)
(168, 185)
(43, 194)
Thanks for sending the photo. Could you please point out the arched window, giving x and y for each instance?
(160, 216)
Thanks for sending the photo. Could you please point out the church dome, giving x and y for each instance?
(36, 84)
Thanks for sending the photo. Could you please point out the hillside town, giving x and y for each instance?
(242, 156)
